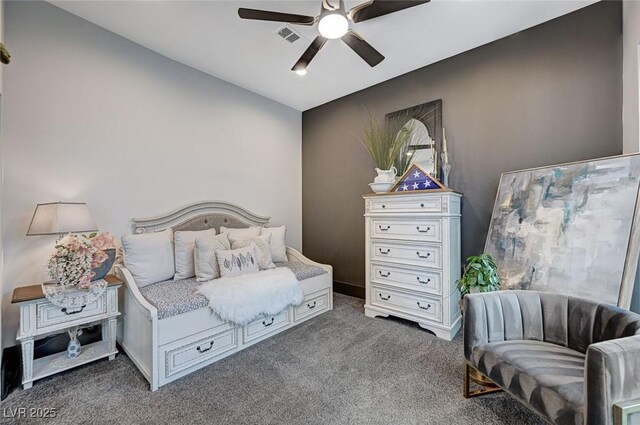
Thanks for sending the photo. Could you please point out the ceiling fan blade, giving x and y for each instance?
(375, 8)
(265, 15)
(308, 54)
(362, 48)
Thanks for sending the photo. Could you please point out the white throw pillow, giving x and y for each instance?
(278, 243)
(185, 246)
(204, 256)
(262, 245)
(149, 256)
(238, 261)
(240, 233)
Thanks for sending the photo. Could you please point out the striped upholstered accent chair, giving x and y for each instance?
(568, 359)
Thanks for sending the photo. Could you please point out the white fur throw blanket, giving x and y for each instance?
(244, 298)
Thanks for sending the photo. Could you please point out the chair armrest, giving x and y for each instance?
(612, 375)
(475, 325)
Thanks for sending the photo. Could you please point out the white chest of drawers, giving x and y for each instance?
(413, 258)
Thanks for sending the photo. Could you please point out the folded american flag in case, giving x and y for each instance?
(416, 179)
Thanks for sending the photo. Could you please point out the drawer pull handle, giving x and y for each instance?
(424, 308)
(423, 231)
(204, 350)
(383, 298)
(264, 322)
(384, 206)
(422, 205)
(384, 252)
(384, 275)
(423, 256)
(384, 229)
(65, 311)
(310, 306)
(423, 281)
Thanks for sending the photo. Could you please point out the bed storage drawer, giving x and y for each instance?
(49, 314)
(313, 304)
(265, 326)
(423, 306)
(188, 352)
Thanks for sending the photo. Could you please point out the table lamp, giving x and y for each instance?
(60, 218)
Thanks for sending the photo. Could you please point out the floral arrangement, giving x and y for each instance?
(76, 256)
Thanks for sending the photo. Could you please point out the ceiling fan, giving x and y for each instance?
(333, 23)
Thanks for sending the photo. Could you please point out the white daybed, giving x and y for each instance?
(168, 346)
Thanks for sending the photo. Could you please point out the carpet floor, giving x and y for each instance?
(338, 368)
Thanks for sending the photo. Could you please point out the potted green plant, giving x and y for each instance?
(385, 140)
(480, 275)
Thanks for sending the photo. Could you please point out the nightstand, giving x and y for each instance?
(39, 317)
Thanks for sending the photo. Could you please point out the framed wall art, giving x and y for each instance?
(570, 228)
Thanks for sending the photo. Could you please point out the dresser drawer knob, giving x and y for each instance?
(384, 206)
(65, 311)
(384, 275)
(310, 305)
(204, 350)
(423, 256)
(422, 205)
(383, 298)
(423, 231)
(384, 252)
(424, 282)
(264, 322)
(384, 229)
(422, 307)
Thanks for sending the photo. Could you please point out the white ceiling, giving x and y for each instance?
(209, 36)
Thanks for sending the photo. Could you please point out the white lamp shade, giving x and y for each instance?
(59, 218)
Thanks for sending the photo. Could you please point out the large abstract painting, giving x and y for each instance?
(569, 228)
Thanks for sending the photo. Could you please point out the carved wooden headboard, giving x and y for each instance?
(201, 216)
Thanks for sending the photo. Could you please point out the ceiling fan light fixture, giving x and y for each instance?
(333, 25)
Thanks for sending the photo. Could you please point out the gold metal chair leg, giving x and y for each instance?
(472, 375)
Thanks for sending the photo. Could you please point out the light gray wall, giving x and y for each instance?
(548, 95)
(90, 116)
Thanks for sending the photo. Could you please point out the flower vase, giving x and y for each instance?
(74, 348)
(102, 270)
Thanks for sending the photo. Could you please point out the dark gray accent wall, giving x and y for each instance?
(547, 95)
